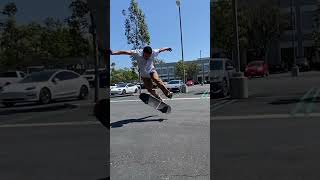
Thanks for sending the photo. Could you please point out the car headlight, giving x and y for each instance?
(30, 88)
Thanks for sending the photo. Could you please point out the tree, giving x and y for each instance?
(191, 69)
(122, 75)
(260, 23)
(136, 28)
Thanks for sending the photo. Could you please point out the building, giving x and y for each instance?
(166, 71)
(305, 12)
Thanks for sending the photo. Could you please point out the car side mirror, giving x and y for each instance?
(55, 80)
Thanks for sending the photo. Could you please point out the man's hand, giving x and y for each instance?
(165, 49)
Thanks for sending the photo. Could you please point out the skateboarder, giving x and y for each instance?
(148, 72)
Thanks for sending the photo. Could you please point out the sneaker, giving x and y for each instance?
(170, 95)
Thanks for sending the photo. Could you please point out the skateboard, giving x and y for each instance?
(155, 103)
(101, 112)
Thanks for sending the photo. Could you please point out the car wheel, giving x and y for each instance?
(84, 92)
(8, 104)
(45, 96)
(123, 92)
(135, 91)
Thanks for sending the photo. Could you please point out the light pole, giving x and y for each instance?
(295, 69)
(238, 83)
(184, 71)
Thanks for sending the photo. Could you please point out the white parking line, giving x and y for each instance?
(175, 99)
(266, 116)
(221, 104)
(49, 124)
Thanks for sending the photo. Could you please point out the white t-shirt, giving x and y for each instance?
(145, 66)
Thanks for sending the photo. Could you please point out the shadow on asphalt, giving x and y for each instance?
(293, 101)
(140, 120)
(39, 109)
(107, 178)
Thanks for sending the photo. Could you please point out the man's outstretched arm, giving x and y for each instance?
(165, 49)
(120, 52)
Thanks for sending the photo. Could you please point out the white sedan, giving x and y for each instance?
(10, 77)
(45, 86)
(124, 88)
(174, 85)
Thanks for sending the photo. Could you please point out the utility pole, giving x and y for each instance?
(96, 58)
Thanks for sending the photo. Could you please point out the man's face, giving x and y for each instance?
(146, 56)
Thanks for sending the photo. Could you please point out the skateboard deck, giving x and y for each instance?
(155, 103)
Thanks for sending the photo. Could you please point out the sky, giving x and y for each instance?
(162, 18)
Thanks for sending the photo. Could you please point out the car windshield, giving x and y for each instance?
(121, 85)
(38, 77)
(174, 82)
(8, 75)
(255, 63)
(216, 65)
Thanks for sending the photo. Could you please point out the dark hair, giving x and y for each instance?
(147, 50)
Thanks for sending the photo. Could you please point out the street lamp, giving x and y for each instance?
(238, 83)
(184, 71)
(295, 69)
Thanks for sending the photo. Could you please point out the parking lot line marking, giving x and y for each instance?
(311, 105)
(302, 99)
(226, 102)
(49, 124)
(175, 99)
(265, 116)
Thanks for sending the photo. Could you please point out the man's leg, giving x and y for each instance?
(155, 77)
(149, 86)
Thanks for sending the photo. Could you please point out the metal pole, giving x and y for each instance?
(293, 34)
(96, 58)
(184, 72)
(236, 34)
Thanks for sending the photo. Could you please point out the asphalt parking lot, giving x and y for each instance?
(62, 140)
(274, 134)
(146, 144)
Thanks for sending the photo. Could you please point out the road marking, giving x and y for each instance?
(222, 104)
(265, 116)
(311, 105)
(302, 101)
(49, 124)
(175, 99)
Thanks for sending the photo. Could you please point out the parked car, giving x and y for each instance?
(10, 77)
(124, 88)
(303, 64)
(174, 85)
(190, 83)
(45, 86)
(89, 74)
(221, 70)
(113, 86)
(257, 68)
(141, 85)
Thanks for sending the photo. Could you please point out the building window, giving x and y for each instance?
(171, 70)
(206, 67)
(200, 67)
(164, 71)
